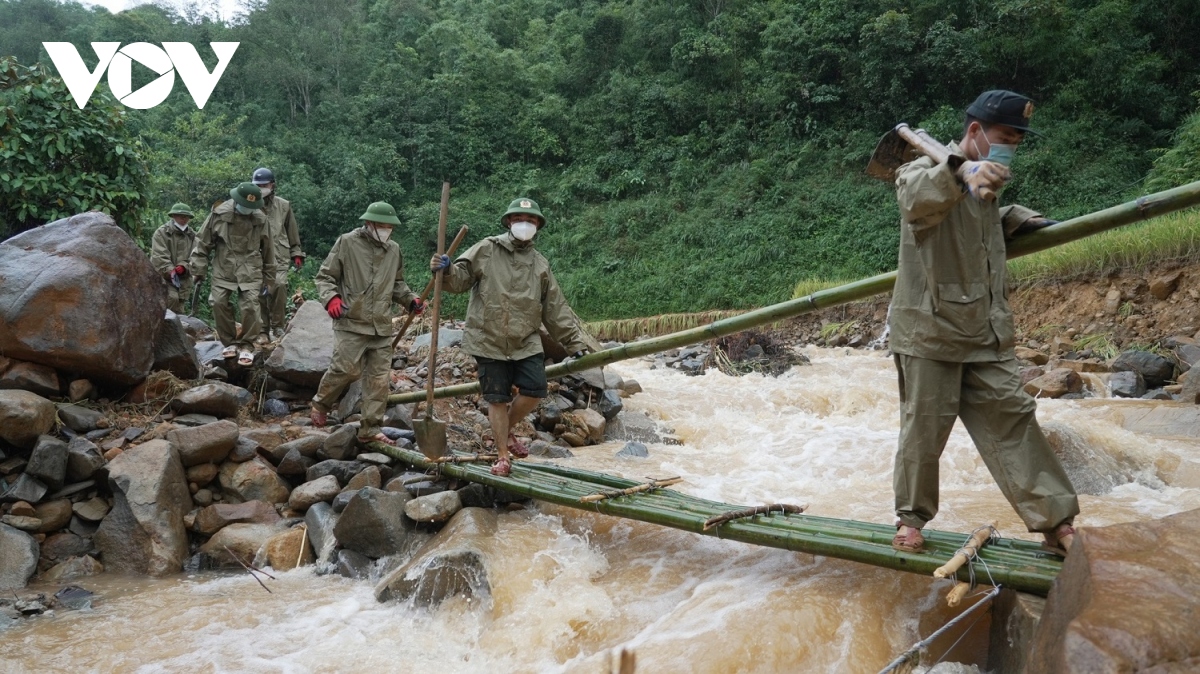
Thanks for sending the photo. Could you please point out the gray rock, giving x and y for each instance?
(48, 462)
(83, 459)
(257, 480)
(83, 528)
(1155, 369)
(144, 532)
(317, 491)
(634, 449)
(92, 510)
(610, 404)
(74, 567)
(321, 520)
(294, 464)
(196, 328)
(374, 523)
(31, 377)
(175, 349)
(12, 465)
(353, 565)
(61, 547)
(75, 488)
(344, 471)
(477, 496)
(244, 450)
(376, 458)
(202, 497)
(213, 518)
(549, 414)
(305, 351)
(600, 378)
(451, 564)
(194, 420)
(1126, 384)
(268, 438)
(86, 273)
(209, 443)
(369, 477)
(305, 445)
(18, 558)
(340, 445)
(242, 540)
(81, 389)
(22, 522)
(79, 419)
(216, 399)
(447, 337)
(201, 474)
(549, 450)
(351, 402)
(275, 408)
(26, 488)
(426, 487)
(207, 352)
(342, 500)
(398, 416)
(101, 433)
(434, 508)
(1157, 394)
(24, 415)
(403, 438)
(634, 426)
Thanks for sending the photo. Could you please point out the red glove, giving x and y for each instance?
(298, 261)
(416, 307)
(180, 270)
(334, 307)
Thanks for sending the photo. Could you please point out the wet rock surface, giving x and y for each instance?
(452, 563)
(144, 533)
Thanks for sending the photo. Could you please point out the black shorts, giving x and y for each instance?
(497, 377)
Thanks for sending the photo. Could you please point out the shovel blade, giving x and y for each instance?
(431, 437)
(892, 152)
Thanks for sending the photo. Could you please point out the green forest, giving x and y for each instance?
(689, 154)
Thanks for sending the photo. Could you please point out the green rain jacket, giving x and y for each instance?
(950, 302)
(513, 292)
(243, 255)
(369, 277)
(171, 247)
(283, 231)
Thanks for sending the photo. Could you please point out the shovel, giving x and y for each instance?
(904, 144)
(431, 433)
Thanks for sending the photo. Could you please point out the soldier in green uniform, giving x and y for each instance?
(286, 235)
(513, 292)
(952, 330)
(243, 264)
(360, 279)
(169, 250)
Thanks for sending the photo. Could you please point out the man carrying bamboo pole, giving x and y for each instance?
(952, 330)
(513, 292)
(358, 282)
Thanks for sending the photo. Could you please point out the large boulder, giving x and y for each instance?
(18, 557)
(1125, 601)
(257, 480)
(24, 415)
(209, 443)
(242, 540)
(289, 549)
(305, 351)
(32, 377)
(144, 532)
(175, 350)
(452, 563)
(321, 521)
(1155, 369)
(374, 523)
(48, 462)
(79, 295)
(218, 399)
(213, 518)
(310, 493)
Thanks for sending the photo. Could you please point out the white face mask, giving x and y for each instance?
(266, 191)
(242, 209)
(181, 225)
(523, 231)
(381, 234)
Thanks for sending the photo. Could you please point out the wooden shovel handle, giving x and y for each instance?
(929, 146)
(437, 302)
(462, 233)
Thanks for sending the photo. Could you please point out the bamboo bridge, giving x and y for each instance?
(1016, 564)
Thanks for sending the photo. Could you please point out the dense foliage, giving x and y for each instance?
(701, 154)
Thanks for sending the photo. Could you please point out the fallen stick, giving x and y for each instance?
(465, 458)
(649, 486)
(248, 569)
(785, 508)
(303, 542)
(966, 552)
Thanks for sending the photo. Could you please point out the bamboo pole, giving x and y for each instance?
(1140, 209)
(956, 593)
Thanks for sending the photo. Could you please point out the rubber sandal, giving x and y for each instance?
(910, 541)
(246, 358)
(229, 352)
(378, 437)
(516, 447)
(502, 467)
(1054, 543)
(318, 418)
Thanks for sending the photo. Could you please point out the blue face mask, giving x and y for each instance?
(1002, 154)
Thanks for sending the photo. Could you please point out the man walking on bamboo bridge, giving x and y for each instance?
(952, 330)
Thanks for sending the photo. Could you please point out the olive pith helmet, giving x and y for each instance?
(381, 212)
(181, 209)
(247, 195)
(524, 205)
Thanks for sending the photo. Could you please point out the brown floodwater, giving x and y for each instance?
(569, 588)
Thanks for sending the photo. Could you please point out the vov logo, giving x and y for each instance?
(172, 57)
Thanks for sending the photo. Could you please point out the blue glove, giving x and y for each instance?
(439, 263)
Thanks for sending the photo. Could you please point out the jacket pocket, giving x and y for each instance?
(355, 310)
(964, 306)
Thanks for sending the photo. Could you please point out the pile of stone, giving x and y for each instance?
(1054, 370)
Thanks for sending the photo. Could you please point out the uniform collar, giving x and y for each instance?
(511, 244)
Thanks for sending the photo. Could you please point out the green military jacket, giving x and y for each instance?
(950, 302)
(513, 292)
(171, 247)
(243, 255)
(283, 230)
(369, 277)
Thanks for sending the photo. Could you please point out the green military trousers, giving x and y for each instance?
(176, 296)
(354, 353)
(274, 306)
(222, 308)
(1000, 418)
